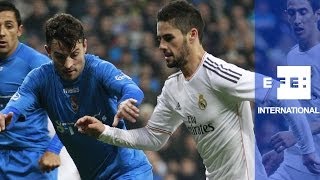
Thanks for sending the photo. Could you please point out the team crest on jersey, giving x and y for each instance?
(202, 103)
(74, 103)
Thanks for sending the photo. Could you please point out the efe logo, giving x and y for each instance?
(295, 82)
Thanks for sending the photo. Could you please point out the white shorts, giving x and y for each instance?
(67, 169)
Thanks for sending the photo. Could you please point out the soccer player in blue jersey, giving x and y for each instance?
(76, 84)
(22, 145)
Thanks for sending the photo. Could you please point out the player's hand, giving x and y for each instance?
(5, 120)
(283, 140)
(126, 110)
(271, 161)
(90, 125)
(49, 161)
(312, 162)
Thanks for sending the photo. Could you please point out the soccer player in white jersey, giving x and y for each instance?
(303, 16)
(208, 95)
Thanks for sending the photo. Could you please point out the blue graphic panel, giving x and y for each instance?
(287, 52)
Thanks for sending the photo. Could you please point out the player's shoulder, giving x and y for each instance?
(43, 73)
(46, 68)
(219, 66)
(93, 61)
(173, 81)
(210, 60)
(30, 57)
(30, 54)
(175, 75)
(294, 49)
(99, 68)
(220, 71)
(173, 78)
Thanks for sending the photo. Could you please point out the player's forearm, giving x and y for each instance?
(132, 91)
(300, 127)
(55, 145)
(298, 122)
(142, 138)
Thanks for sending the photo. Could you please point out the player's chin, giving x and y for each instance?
(171, 65)
(69, 77)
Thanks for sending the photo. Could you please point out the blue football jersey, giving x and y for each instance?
(31, 132)
(96, 92)
(308, 58)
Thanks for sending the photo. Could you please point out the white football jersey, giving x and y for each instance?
(311, 58)
(213, 106)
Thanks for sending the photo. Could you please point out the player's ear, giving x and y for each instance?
(85, 45)
(20, 30)
(47, 48)
(193, 35)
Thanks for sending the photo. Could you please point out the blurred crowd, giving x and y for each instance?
(124, 33)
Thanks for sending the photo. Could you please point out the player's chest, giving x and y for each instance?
(196, 104)
(11, 77)
(75, 100)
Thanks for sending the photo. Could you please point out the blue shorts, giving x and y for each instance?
(22, 165)
(143, 172)
(127, 167)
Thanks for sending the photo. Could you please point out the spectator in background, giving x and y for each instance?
(34, 23)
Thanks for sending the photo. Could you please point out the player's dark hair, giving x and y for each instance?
(66, 29)
(315, 4)
(8, 6)
(183, 16)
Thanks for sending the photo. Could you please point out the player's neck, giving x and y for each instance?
(4, 56)
(194, 61)
(307, 44)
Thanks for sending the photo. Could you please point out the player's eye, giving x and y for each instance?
(9, 25)
(291, 12)
(75, 54)
(303, 11)
(60, 58)
(168, 38)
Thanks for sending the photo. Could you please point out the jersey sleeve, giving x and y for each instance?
(233, 80)
(164, 118)
(141, 138)
(161, 125)
(247, 85)
(118, 83)
(240, 83)
(55, 145)
(25, 100)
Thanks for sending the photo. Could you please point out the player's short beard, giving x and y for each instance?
(181, 60)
